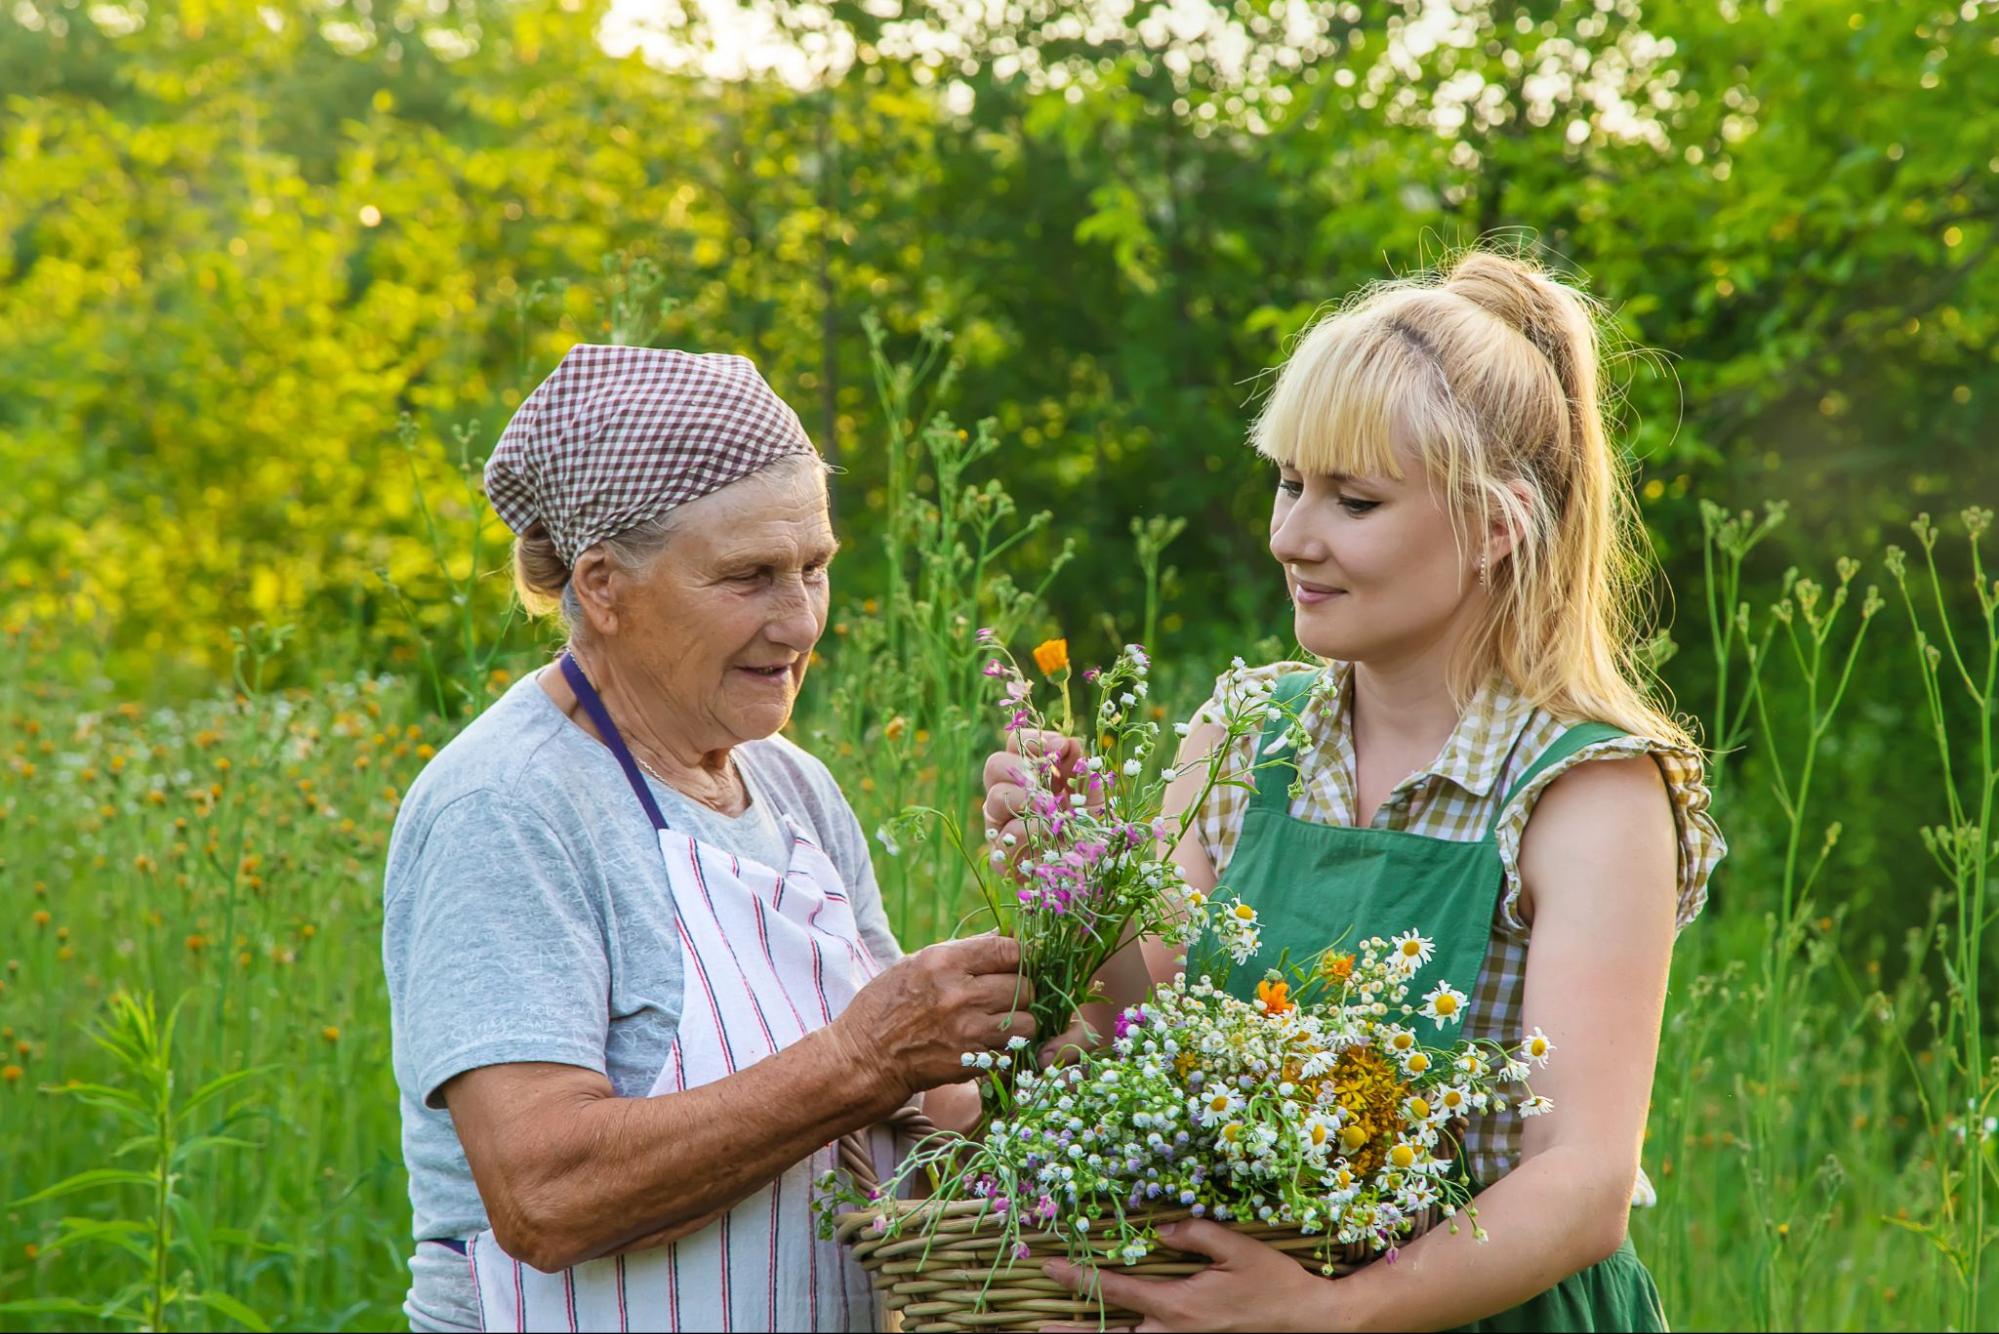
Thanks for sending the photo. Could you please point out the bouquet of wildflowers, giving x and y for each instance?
(1324, 1108)
(1092, 871)
(1316, 1115)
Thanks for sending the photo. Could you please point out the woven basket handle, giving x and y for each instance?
(858, 1160)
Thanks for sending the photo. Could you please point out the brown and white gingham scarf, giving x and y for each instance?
(619, 435)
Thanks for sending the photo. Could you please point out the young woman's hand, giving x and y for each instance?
(1006, 782)
(1089, 1033)
(1249, 1286)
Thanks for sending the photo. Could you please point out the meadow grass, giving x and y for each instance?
(1820, 1134)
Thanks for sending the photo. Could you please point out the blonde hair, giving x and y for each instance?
(1487, 367)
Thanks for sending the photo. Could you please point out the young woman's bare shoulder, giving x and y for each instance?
(1602, 815)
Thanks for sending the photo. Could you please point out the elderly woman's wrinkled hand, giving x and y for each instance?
(911, 1027)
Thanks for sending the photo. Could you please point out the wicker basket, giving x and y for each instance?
(956, 1275)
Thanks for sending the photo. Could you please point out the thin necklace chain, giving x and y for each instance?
(663, 779)
(734, 772)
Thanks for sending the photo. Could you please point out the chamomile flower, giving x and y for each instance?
(1444, 1003)
(1220, 1105)
(1537, 1048)
(1536, 1106)
(1410, 951)
(1406, 1154)
(1421, 1110)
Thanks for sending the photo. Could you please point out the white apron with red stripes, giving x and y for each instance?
(768, 957)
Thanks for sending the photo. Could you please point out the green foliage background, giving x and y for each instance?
(205, 342)
(271, 274)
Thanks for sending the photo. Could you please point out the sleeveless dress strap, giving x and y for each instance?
(1274, 779)
(1563, 746)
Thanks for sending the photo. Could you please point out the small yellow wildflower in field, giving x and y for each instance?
(330, 1033)
(1051, 656)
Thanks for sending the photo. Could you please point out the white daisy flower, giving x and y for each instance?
(1318, 1064)
(1320, 1133)
(1444, 1003)
(1219, 1105)
(1410, 951)
(1536, 1106)
(1537, 1048)
(1406, 1154)
(1422, 1110)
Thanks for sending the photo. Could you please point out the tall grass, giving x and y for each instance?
(1819, 1134)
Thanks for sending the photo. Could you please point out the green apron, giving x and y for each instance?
(1312, 884)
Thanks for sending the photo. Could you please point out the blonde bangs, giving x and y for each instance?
(1356, 394)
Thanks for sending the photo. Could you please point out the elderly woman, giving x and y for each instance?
(638, 966)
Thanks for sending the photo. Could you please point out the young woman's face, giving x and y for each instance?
(1372, 564)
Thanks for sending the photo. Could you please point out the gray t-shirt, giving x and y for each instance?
(527, 917)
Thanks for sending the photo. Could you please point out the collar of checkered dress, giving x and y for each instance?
(616, 436)
(1474, 754)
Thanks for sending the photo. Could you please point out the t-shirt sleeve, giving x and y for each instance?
(494, 948)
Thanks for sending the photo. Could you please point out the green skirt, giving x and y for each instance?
(1617, 1294)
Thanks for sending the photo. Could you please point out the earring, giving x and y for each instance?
(1481, 571)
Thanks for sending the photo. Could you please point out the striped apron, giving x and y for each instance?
(767, 956)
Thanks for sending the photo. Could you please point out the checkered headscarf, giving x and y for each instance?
(619, 435)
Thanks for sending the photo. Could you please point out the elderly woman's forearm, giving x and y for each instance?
(599, 1173)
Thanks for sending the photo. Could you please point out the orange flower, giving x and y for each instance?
(1337, 967)
(1274, 997)
(1051, 656)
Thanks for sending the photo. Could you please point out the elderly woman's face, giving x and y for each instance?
(723, 623)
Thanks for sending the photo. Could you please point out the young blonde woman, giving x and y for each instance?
(1485, 765)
